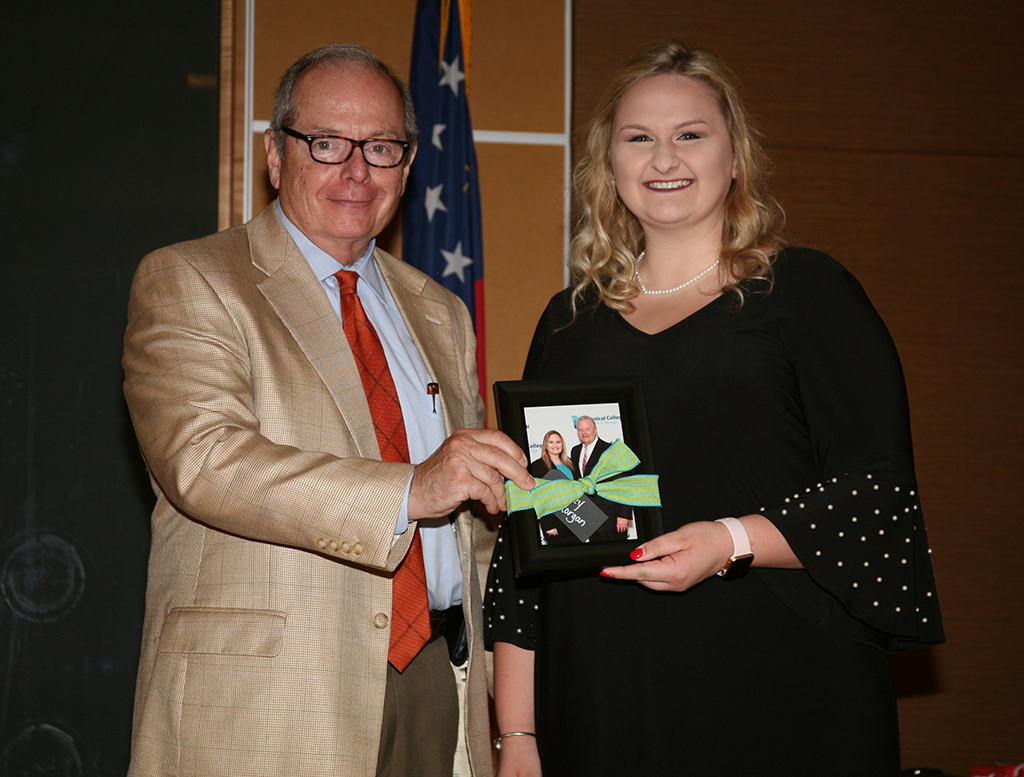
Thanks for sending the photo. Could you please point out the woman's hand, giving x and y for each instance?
(680, 559)
(518, 758)
(694, 552)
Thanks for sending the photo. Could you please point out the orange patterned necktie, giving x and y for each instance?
(410, 610)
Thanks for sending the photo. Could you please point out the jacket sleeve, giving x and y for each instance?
(193, 354)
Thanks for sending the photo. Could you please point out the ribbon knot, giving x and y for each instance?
(608, 479)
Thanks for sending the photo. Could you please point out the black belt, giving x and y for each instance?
(451, 624)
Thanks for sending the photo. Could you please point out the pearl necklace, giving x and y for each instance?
(674, 289)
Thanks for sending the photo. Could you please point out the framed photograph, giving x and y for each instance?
(566, 427)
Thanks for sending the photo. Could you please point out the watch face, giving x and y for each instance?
(738, 566)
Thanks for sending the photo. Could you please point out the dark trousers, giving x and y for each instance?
(421, 717)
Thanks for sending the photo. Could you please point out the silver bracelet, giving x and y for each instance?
(497, 739)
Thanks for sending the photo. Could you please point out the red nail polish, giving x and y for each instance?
(637, 554)
(604, 574)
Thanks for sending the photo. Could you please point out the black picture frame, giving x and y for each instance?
(516, 402)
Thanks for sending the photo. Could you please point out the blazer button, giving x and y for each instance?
(357, 549)
(346, 547)
(380, 621)
(334, 545)
(321, 543)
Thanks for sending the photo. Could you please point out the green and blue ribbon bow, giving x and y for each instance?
(550, 496)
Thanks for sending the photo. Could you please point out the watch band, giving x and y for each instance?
(742, 554)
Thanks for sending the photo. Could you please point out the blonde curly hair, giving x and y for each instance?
(607, 237)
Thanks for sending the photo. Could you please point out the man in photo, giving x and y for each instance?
(585, 456)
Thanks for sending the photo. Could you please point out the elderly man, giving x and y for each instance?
(585, 456)
(295, 392)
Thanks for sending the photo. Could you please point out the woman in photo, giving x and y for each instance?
(554, 456)
(752, 637)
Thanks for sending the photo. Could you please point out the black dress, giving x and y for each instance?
(792, 405)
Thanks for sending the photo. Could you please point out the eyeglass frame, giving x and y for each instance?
(355, 144)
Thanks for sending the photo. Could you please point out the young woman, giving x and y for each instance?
(779, 426)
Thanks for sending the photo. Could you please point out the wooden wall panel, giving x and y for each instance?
(895, 132)
(526, 182)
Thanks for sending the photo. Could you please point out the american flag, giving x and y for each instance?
(441, 233)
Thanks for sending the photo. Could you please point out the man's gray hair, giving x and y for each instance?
(337, 55)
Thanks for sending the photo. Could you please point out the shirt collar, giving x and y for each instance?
(325, 266)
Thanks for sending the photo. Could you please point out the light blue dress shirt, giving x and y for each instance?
(424, 428)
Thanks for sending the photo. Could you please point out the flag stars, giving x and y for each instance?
(435, 138)
(457, 262)
(432, 202)
(452, 76)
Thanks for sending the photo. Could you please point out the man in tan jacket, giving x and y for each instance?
(278, 527)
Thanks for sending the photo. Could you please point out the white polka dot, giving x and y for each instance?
(866, 564)
(908, 539)
(878, 580)
(841, 534)
(885, 555)
(520, 601)
(500, 617)
(881, 531)
(913, 493)
(863, 539)
(856, 585)
(924, 620)
(875, 487)
(929, 551)
(839, 563)
(854, 492)
(869, 477)
(817, 553)
(854, 519)
(830, 507)
(500, 591)
(784, 512)
(877, 512)
(928, 594)
(801, 505)
(520, 631)
(814, 526)
(897, 488)
(904, 588)
(897, 609)
(875, 604)
(903, 561)
(787, 498)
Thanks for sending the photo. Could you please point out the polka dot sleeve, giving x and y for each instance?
(859, 531)
(861, 538)
(510, 603)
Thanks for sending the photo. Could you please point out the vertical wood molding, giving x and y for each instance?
(232, 119)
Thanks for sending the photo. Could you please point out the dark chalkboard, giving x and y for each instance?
(108, 149)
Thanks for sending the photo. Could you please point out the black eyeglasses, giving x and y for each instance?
(334, 149)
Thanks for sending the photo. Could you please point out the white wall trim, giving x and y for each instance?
(520, 138)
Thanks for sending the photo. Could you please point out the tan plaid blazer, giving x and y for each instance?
(266, 631)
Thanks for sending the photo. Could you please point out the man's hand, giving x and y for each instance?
(471, 464)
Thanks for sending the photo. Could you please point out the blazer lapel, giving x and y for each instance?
(295, 294)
